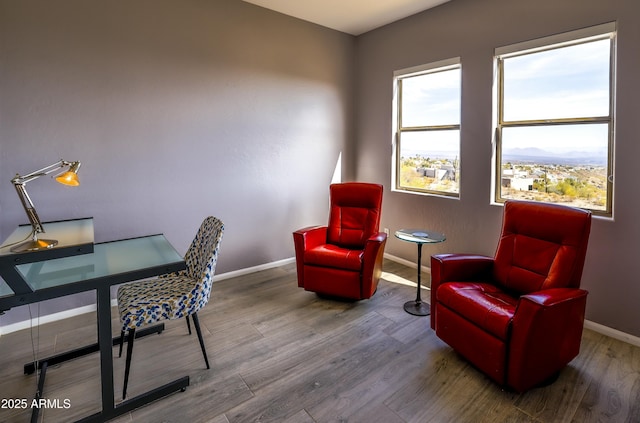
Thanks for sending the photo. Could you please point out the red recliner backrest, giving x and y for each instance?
(355, 213)
(542, 246)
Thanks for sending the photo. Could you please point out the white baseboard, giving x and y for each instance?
(408, 263)
(612, 333)
(54, 317)
(248, 270)
(596, 327)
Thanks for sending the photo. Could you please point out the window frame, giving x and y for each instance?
(572, 38)
(398, 129)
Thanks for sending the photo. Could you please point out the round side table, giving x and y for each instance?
(420, 237)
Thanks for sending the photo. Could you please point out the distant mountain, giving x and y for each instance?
(431, 154)
(540, 156)
(527, 151)
(531, 155)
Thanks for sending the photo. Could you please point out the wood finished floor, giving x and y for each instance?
(281, 354)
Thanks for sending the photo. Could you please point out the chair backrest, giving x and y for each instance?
(355, 213)
(201, 259)
(542, 246)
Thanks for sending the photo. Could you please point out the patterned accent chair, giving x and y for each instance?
(344, 259)
(517, 316)
(172, 296)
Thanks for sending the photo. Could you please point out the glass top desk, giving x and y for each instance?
(50, 274)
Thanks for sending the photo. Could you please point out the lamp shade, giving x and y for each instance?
(70, 177)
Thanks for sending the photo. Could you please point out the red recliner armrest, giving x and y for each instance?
(456, 268)
(304, 239)
(310, 237)
(372, 263)
(553, 317)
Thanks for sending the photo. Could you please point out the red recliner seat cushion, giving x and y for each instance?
(328, 255)
(483, 304)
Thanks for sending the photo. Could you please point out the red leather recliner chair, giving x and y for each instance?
(344, 259)
(518, 316)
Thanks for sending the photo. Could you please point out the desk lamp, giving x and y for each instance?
(70, 178)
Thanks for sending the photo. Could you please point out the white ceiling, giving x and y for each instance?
(350, 16)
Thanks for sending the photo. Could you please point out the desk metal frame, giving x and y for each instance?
(24, 294)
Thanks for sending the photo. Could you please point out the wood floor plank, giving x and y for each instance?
(203, 401)
(315, 381)
(300, 417)
(370, 390)
(615, 397)
(315, 353)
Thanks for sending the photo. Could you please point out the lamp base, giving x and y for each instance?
(34, 245)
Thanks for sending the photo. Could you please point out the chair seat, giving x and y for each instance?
(484, 304)
(149, 301)
(329, 255)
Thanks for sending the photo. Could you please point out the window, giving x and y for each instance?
(554, 132)
(427, 129)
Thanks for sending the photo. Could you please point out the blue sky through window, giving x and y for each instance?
(431, 99)
(566, 82)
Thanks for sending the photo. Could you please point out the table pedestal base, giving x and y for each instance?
(417, 308)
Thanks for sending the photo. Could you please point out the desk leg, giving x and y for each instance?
(106, 348)
(417, 307)
(40, 393)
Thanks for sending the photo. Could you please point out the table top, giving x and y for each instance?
(108, 259)
(420, 236)
(110, 262)
(5, 291)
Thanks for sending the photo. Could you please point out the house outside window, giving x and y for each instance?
(426, 155)
(555, 120)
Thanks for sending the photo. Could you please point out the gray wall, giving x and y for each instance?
(177, 110)
(472, 29)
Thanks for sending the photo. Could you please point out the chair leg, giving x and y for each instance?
(196, 323)
(130, 338)
(188, 324)
(121, 343)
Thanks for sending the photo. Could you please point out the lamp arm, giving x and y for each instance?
(19, 179)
